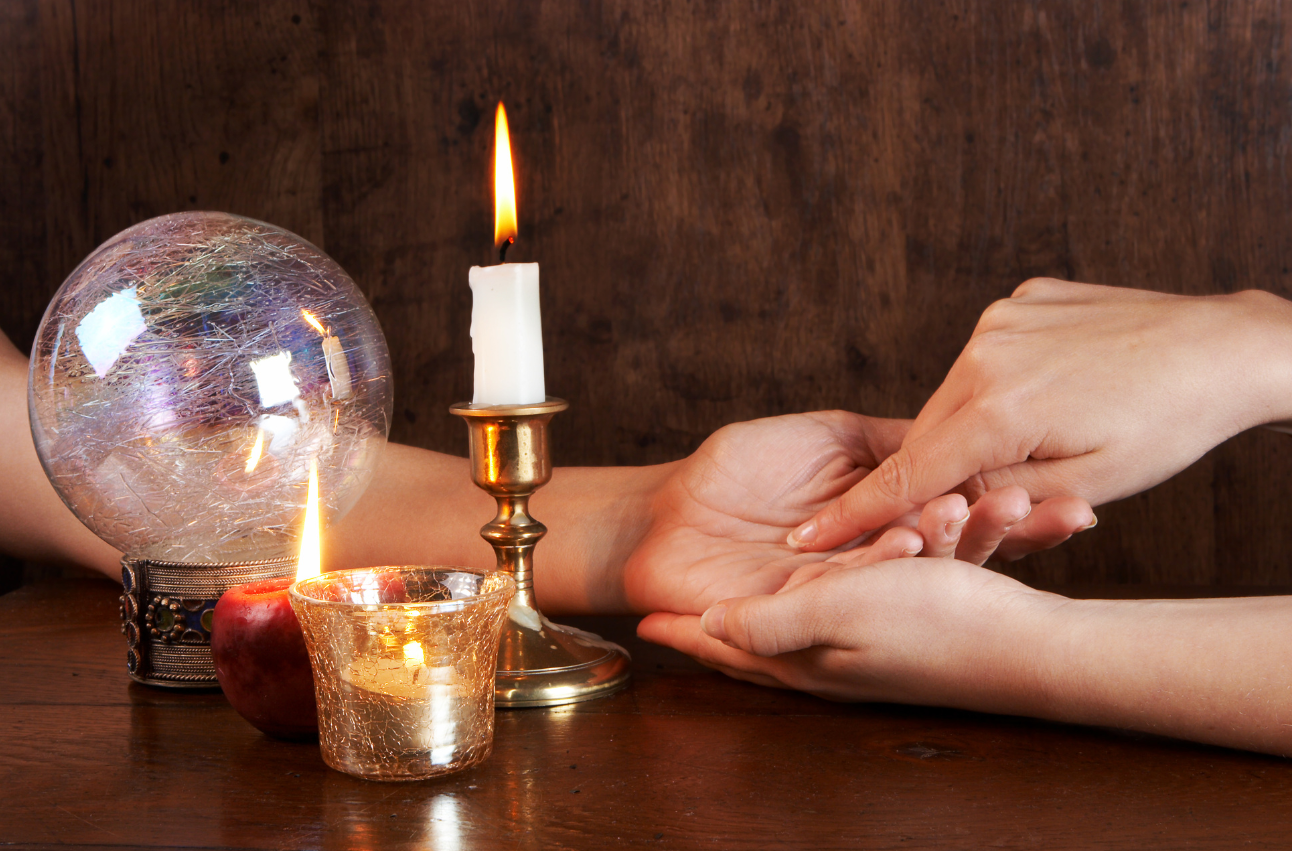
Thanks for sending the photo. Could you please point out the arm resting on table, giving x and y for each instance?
(939, 632)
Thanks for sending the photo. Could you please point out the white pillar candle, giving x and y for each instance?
(338, 368)
(507, 334)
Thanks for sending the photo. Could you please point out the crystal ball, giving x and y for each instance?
(187, 375)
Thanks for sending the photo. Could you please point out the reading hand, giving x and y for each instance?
(1077, 389)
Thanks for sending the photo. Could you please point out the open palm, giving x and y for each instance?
(720, 522)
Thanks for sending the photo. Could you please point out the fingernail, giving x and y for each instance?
(910, 553)
(711, 622)
(1093, 524)
(1021, 519)
(804, 534)
(954, 526)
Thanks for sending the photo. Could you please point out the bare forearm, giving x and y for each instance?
(1212, 671)
(1262, 326)
(596, 517)
(422, 508)
(37, 526)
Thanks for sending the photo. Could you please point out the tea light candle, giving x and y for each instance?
(404, 662)
(506, 327)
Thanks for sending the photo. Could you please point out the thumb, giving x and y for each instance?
(933, 464)
(772, 624)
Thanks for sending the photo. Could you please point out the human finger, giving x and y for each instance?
(769, 625)
(683, 633)
(931, 465)
(990, 521)
(898, 542)
(941, 524)
(1051, 523)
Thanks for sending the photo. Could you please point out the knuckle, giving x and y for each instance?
(756, 635)
(994, 413)
(1010, 440)
(975, 487)
(1035, 286)
(981, 352)
(994, 316)
(894, 476)
(763, 629)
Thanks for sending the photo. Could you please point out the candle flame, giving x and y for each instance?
(504, 184)
(413, 654)
(256, 451)
(309, 317)
(310, 561)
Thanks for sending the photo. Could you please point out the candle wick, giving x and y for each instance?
(502, 249)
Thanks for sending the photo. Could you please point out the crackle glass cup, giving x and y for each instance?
(404, 661)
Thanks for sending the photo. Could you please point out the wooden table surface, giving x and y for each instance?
(685, 758)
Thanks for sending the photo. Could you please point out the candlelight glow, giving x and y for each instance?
(504, 184)
(310, 561)
(309, 317)
(256, 451)
(413, 655)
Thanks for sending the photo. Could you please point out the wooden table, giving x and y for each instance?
(684, 759)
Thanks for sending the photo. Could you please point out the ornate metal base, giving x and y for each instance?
(166, 613)
(539, 663)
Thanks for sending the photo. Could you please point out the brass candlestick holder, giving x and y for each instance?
(539, 662)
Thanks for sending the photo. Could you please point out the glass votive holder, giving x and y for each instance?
(404, 661)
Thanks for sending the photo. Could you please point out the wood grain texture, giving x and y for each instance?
(741, 209)
(686, 758)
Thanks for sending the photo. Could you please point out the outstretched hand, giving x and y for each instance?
(1068, 388)
(912, 630)
(719, 522)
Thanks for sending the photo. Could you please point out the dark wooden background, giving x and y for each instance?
(741, 208)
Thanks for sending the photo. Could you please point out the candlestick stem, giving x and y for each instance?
(539, 663)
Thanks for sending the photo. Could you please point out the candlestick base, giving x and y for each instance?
(545, 664)
(539, 663)
(167, 609)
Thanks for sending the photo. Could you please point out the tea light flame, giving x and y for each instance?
(504, 184)
(310, 562)
(256, 451)
(413, 654)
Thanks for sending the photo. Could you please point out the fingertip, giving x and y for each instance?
(1073, 512)
(831, 527)
(1015, 502)
(655, 626)
(712, 622)
(898, 542)
(803, 536)
(954, 505)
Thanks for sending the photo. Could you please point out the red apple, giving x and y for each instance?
(261, 661)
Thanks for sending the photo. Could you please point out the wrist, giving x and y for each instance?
(1014, 670)
(1260, 331)
(980, 643)
(596, 517)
